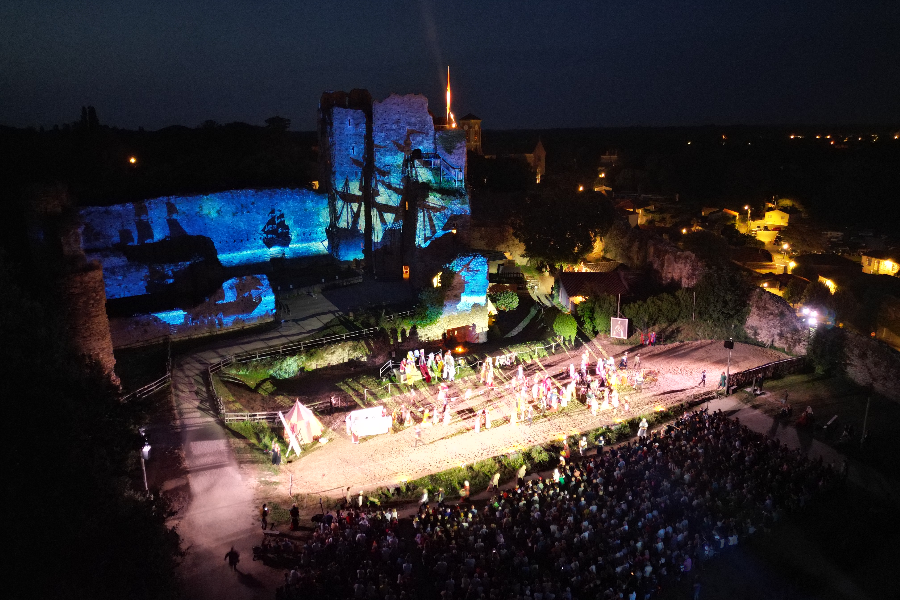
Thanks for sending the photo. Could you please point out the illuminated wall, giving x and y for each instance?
(472, 269)
(401, 125)
(347, 154)
(244, 227)
(240, 301)
(465, 315)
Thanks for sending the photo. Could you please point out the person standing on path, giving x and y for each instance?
(418, 435)
(652, 338)
(276, 453)
(264, 516)
(520, 476)
(295, 517)
(233, 558)
(703, 378)
(722, 382)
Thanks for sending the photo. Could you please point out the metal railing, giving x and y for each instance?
(281, 351)
(778, 368)
(150, 388)
(267, 417)
(436, 162)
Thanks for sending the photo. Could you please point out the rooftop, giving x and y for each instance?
(592, 284)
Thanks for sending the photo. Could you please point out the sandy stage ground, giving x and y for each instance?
(391, 458)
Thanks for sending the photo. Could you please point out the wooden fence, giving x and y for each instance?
(281, 350)
(150, 388)
(771, 370)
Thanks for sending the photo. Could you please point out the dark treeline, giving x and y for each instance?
(93, 160)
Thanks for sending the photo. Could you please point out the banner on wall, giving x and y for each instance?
(618, 328)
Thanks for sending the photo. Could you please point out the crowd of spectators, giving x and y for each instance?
(624, 523)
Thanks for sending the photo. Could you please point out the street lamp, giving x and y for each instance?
(729, 344)
(747, 208)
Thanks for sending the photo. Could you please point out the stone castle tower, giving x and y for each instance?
(55, 239)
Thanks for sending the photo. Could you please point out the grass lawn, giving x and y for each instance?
(829, 396)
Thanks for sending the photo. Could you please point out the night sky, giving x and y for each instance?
(517, 64)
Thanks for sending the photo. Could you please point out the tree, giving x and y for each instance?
(565, 326)
(277, 123)
(505, 300)
(595, 314)
(722, 295)
(817, 295)
(558, 227)
(706, 245)
(804, 238)
(826, 350)
(793, 293)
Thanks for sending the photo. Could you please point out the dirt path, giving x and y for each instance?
(220, 510)
(387, 460)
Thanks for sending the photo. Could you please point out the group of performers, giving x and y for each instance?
(594, 384)
(442, 365)
(597, 389)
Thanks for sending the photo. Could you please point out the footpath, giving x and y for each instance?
(790, 436)
(220, 511)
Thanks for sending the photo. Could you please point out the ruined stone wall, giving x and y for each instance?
(404, 214)
(772, 321)
(245, 227)
(84, 305)
(869, 362)
(240, 302)
(637, 248)
(400, 125)
(674, 265)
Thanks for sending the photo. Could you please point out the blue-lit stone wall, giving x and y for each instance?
(402, 124)
(465, 314)
(241, 301)
(246, 227)
(472, 270)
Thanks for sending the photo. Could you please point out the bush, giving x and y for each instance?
(565, 326)
(505, 300)
(259, 434)
(539, 456)
(826, 351)
(595, 313)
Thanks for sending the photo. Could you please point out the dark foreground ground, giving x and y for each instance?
(844, 546)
